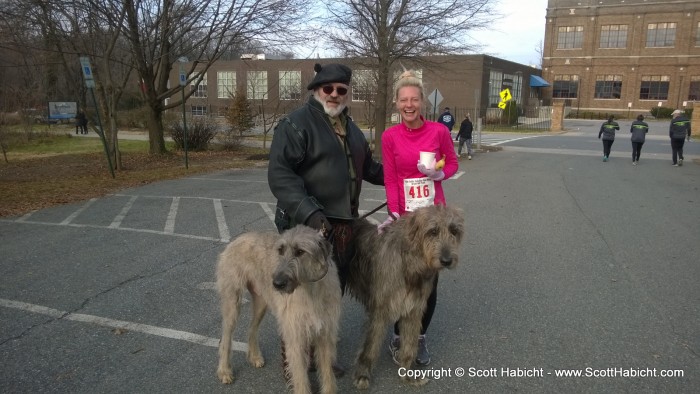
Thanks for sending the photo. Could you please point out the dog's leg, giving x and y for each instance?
(374, 335)
(230, 307)
(325, 357)
(409, 327)
(255, 357)
(296, 347)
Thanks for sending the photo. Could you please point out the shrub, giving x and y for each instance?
(200, 131)
(661, 112)
(510, 113)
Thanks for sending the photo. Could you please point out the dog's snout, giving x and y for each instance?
(446, 261)
(279, 283)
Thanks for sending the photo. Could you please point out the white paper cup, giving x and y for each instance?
(428, 159)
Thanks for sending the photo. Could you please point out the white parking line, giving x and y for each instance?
(78, 211)
(118, 219)
(170, 222)
(136, 327)
(224, 234)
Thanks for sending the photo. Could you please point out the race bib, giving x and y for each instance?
(418, 192)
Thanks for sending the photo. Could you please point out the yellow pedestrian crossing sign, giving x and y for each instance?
(505, 95)
(502, 105)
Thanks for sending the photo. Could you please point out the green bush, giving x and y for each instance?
(661, 112)
(510, 113)
(200, 132)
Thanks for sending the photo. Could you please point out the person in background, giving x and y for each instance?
(318, 160)
(607, 130)
(639, 129)
(403, 173)
(447, 119)
(678, 131)
(81, 122)
(464, 136)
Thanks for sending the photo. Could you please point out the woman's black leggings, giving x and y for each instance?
(636, 150)
(428, 314)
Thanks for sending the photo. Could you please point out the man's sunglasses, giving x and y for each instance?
(328, 89)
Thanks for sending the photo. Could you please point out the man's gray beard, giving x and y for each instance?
(332, 112)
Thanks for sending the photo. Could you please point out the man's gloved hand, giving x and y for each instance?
(391, 219)
(436, 175)
(318, 221)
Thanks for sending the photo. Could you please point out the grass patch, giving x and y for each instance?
(60, 169)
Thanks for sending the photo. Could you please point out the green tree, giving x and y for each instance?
(240, 114)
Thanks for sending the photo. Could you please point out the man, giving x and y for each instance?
(464, 136)
(318, 160)
(678, 131)
(447, 119)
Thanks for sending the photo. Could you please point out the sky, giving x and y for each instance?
(517, 35)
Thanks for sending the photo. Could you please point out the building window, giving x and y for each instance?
(200, 90)
(608, 86)
(654, 87)
(199, 110)
(613, 36)
(225, 84)
(363, 86)
(697, 36)
(290, 85)
(495, 87)
(661, 34)
(694, 91)
(570, 37)
(257, 85)
(565, 86)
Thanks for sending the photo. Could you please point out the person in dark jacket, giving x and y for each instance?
(81, 122)
(678, 131)
(318, 160)
(639, 130)
(447, 119)
(464, 136)
(607, 130)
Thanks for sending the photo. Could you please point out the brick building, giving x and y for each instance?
(465, 82)
(619, 56)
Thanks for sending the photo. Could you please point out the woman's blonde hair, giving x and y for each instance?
(408, 78)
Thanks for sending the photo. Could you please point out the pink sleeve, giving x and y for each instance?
(448, 149)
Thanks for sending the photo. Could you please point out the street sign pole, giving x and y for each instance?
(90, 84)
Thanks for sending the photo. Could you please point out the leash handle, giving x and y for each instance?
(373, 211)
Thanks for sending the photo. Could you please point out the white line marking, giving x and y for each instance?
(170, 222)
(514, 139)
(25, 217)
(118, 220)
(457, 175)
(221, 221)
(78, 211)
(266, 207)
(226, 180)
(136, 327)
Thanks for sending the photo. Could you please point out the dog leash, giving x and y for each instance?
(373, 211)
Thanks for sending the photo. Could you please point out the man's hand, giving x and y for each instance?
(318, 221)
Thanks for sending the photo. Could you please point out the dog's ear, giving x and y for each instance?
(325, 246)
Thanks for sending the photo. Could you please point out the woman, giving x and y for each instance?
(411, 184)
(607, 130)
(639, 130)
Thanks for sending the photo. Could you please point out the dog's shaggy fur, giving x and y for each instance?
(392, 276)
(294, 274)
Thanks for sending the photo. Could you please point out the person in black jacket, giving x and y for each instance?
(607, 130)
(464, 136)
(81, 122)
(639, 130)
(678, 131)
(318, 160)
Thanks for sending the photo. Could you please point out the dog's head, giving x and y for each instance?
(437, 231)
(304, 256)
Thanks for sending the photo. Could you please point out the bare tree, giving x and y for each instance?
(386, 31)
(161, 31)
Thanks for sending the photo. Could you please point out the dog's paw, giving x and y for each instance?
(257, 362)
(415, 382)
(226, 377)
(361, 382)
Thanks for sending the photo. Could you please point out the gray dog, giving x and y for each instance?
(294, 274)
(392, 276)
